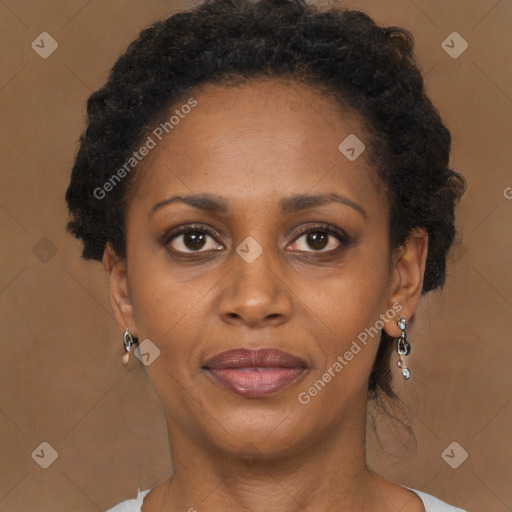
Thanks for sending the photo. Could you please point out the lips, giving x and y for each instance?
(255, 373)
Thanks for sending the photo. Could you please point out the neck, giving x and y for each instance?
(328, 473)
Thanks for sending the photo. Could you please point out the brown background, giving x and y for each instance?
(61, 378)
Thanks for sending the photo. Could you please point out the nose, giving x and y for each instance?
(255, 294)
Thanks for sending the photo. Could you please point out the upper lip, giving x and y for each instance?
(247, 358)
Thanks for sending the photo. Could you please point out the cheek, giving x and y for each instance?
(171, 314)
(343, 311)
(346, 348)
(166, 296)
(347, 299)
(345, 328)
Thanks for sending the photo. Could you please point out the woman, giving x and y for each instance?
(267, 186)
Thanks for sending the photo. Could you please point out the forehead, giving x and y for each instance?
(267, 137)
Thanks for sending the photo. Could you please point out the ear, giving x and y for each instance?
(120, 300)
(407, 279)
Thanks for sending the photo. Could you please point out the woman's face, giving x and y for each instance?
(246, 276)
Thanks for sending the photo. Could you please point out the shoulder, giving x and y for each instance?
(133, 505)
(433, 504)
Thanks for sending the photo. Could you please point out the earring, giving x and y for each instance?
(403, 348)
(128, 342)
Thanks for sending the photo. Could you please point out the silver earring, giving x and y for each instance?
(403, 348)
(128, 342)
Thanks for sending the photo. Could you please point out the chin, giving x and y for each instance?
(258, 431)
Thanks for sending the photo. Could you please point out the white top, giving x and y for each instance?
(430, 503)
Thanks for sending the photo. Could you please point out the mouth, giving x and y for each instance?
(255, 373)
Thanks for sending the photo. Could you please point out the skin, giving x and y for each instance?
(254, 145)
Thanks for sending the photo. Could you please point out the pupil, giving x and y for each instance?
(194, 240)
(316, 240)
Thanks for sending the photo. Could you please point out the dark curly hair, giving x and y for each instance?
(360, 65)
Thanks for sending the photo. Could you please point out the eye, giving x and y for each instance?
(320, 238)
(192, 239)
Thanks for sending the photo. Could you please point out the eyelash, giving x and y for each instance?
(325, 228)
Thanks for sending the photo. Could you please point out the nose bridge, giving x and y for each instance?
(255, 292)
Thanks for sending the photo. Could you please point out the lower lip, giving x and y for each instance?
(256, 382)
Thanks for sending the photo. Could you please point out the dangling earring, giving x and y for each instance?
(128, 342)
(403, 348)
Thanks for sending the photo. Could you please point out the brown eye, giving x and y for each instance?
(317, 240)
(194, 240)
(322, 238)
(190, 240)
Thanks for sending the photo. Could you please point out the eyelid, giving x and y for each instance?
(330, 229)
(175, 232)
(179, 230)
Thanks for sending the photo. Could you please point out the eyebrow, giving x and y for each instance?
(214, 204)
